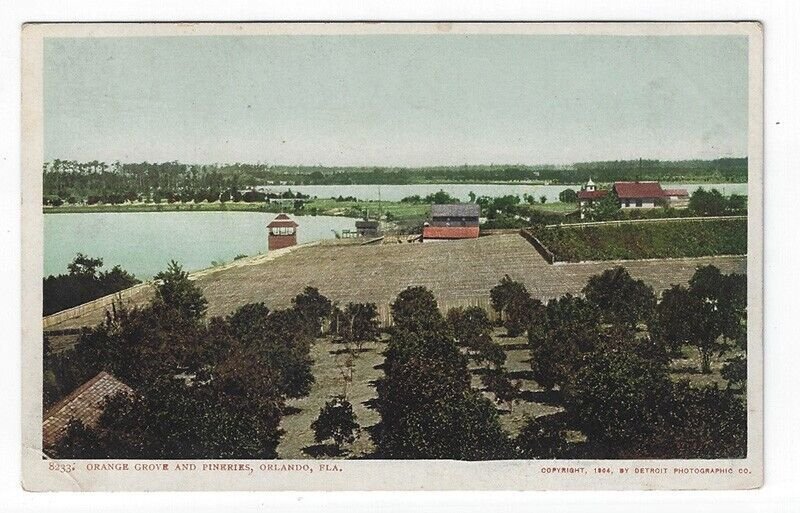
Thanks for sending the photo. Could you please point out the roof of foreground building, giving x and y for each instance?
(86, 403)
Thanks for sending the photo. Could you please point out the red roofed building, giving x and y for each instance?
(450, 222)
(282, 232)
(85, 404)
(678, 198)
(450, 232)
(587, 196)
(639, 194)
(633, 195)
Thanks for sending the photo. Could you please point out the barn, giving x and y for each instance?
(452, 222)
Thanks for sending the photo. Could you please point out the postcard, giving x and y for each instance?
(392, 256)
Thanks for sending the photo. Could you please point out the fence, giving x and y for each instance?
(636, 221)
(102, 303)
(548, 255)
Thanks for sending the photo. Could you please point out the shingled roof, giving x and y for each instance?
(282, 220)
(456, 210)
(638, 190)
(591, 195)
(85, 403)
(450, 232)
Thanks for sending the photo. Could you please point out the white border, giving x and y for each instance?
(38, 474)
(781, 282)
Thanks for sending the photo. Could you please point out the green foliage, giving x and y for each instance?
(568, 196)
(714, 306)
(705, 423)
(203, 388)
(468, 324)
(83, 283)
(714, 203)
(735, 371)
(621, 299)
(674, 315)
(485, 350)
(336, 422)
(617, 397)
(670, 239)
(427, 407)
(507, 292)
(569, 328)
(358, 322)
(439, 198)
(504, 389)
(520, 313)
(174, 181)
(606, 208)
(415, 309)
(175, 290)
(248, 322)
(541, 438)
(169, 420)
(314, 307)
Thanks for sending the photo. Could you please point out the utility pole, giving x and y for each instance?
(380, 207)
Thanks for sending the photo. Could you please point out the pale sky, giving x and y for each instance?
(409, 100)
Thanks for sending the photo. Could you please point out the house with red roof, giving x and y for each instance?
(633, 195)
(282, 232)
(452, 222)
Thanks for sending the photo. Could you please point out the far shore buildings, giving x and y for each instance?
(282, 232)
(633, 195)
(452, 222)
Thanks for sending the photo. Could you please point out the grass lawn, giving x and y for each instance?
(557, 206)
(215, 206)
(399, 211)
(329, 207)
(330, 361)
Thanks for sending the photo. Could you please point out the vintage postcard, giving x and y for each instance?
(392, 256)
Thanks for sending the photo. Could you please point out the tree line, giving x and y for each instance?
(82, 283)
(69, 181)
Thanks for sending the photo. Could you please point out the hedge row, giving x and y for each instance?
(633, 241)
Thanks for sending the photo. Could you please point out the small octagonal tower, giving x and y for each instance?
(282, 232)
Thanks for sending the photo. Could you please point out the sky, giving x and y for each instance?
(395, 100)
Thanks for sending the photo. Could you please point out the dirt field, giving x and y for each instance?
(458, 272)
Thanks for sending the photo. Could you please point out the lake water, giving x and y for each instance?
(144, 243)
(461, 191)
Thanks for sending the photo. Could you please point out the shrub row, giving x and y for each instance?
(672, 239)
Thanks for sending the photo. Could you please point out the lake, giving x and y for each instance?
(461, 191)
(143, 243)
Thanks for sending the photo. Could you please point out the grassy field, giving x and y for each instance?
(330, 368)
(398, 211)
(328, 207)
(556, 206)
